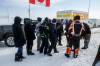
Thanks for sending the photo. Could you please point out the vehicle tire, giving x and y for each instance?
(9, 41)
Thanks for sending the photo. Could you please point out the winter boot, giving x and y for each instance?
(38, 49)
(49, 54)
(55, 51)
(60, 44)
(68, 52)
(76, 52)
(84, 47)
(22, 56)
(30, 53)
(18, 57)
(41, 51)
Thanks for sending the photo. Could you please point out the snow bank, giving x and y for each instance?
(95, 30)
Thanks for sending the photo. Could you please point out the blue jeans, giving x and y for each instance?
(20, 50)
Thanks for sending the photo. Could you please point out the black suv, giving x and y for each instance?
(7, 35)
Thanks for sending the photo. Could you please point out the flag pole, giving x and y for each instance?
(29, 9)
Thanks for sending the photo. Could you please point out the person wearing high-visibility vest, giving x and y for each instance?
(68, 35)
(75, 30)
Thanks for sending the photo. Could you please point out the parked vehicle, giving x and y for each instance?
(7, 35)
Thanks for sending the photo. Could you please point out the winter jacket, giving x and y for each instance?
(59, 27)
(29, 31)
(87, 29)
(44, 30)
(19, 38)
(67, 27)
(53, 32)
(37, 29)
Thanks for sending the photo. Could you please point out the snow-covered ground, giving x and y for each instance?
(85, 58)
(95, 30)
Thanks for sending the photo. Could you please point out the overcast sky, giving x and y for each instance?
(20, 8)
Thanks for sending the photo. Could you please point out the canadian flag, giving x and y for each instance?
(47, 2)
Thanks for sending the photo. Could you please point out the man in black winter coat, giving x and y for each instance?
(59, 27)
(19, 38)
(86, 34)
(29, 29)
(53, 37)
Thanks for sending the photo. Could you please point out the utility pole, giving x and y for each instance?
(89, 6)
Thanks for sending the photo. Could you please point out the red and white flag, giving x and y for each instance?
(32, 1)
(46, 2)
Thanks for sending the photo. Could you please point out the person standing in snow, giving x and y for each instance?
(38, 33)
(19, 38)
(59, 27)
(75, 30)
(29, 29)
(53, 38)
(44, 34)
(97, 59)
(68, 35)
(86, 34)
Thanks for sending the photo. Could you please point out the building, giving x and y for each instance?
(69, 14)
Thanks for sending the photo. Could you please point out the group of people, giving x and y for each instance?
(48, 33)
(75, 30)
(23, 35)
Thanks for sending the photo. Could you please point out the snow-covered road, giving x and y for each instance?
(86, 57)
